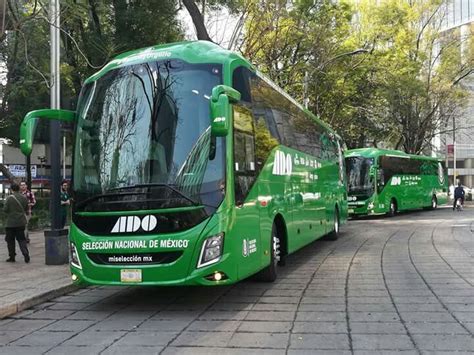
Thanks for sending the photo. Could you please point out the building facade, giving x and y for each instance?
(456, 143)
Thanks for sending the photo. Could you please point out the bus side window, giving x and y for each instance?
(380, 179)
(241, 82)
(266, 132)
(329, 147)
(387, 166)
(309, 136)
(285, 130)
(244, 152)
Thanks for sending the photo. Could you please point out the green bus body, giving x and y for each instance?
(201, 203)
(387, 181)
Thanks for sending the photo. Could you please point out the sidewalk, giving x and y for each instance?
(25, 285)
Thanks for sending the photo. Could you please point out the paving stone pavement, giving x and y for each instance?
(24, 285)
(402, 285)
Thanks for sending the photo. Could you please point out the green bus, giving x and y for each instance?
(192, 168)
(387, 181)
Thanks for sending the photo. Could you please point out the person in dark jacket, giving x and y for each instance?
(65, 202)
(458, 194)
(16, 206)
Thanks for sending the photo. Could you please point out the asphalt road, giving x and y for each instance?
(387, 285)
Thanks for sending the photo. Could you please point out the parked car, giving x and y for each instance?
(468, 193)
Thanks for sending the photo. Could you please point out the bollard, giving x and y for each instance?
(56, 245)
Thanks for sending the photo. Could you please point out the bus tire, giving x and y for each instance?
(334, 234)
(434, 202)
(269, 274)
(393, 208)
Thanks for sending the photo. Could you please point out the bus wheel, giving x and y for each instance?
(434, 202)
(393, 208)
(335, 231)
(269, 274)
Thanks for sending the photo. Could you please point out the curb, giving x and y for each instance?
(23, 304)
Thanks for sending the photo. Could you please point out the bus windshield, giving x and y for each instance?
(358, 175)
(143, 139)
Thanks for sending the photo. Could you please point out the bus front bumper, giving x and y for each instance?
(151, 260)
(220, 273)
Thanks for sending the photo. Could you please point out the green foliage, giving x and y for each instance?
(92, 32)
(376, 73)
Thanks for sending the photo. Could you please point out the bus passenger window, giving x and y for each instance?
(380, 180)
(264, 141)
(240, 80)
(244, 152)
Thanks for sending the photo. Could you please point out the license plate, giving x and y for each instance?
(350, 210)
(131, 275)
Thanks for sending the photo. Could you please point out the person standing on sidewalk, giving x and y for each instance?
(15, 209)
(30, 197)
(65, 202)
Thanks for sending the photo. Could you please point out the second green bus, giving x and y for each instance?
(384, 181)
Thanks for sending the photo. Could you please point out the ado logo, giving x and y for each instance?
(128, 224)
(282, 164)
(396, 180)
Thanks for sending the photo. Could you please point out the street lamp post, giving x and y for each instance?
(56, 243)
(454, 151)
(42, 159)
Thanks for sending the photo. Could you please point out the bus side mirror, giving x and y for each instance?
(372, 172)
(28, 126)
(221, 109)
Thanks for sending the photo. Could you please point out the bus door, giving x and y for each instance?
(247, 227)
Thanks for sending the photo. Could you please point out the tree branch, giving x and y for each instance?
(198, 20)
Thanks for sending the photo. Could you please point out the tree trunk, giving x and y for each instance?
(198, 20)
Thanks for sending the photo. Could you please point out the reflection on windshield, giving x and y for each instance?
(149, 124)
(358, 174)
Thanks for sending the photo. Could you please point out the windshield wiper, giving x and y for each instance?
(96, 197)
(169, 186)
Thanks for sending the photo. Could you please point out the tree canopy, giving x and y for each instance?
(92, 32)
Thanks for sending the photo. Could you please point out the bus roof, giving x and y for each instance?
(192, 52)
(376, 152)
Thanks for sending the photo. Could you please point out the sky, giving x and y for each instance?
(220, 26)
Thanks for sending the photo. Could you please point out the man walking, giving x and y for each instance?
(30, 197)
(15, 209)
(65, 202)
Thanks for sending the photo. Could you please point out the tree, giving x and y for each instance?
(205, 13)
(377, 74)
(198, 20)
(92, 32)
(306, 48)
(417, 69)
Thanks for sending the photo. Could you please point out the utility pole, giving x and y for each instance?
(64, 157)
(56, 243)
(454, 151)
(55, 129)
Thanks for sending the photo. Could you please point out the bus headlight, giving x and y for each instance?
(73, 256)
(211, 250)
(371, 206)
